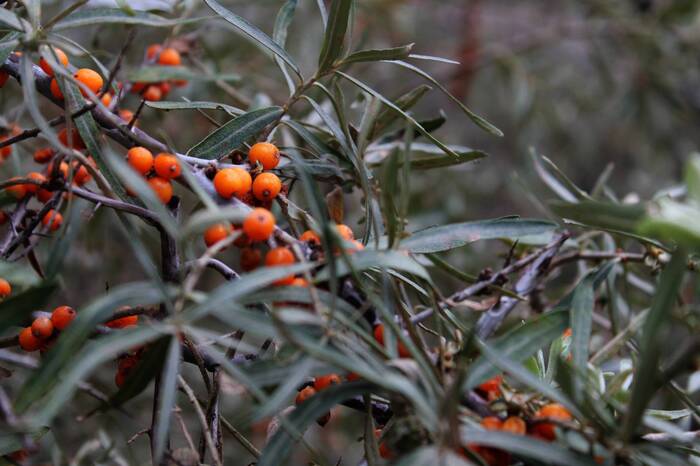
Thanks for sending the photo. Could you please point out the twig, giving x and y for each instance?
(202, 420)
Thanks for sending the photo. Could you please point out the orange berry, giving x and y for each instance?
(567, 333)
(152, 93)
(106, 99)
(514, 425)
(126, 115)
(259, 224)
(310, 237)
(18, 191)
(6, 151)
(81, 175)
(250, 259)
(76, 142)
(299, 282)
(345, 232)
(167, 166)
(42, 328)
(62, 316)
(53, 220)
(550, 411)
(152, 51)
(5, 288)
(266, 186)
(123, 322)
(216, 233)
(352, 376)
(325, 381)
(62, 170)
(140, 159)
(62, 59)
(43, 195)
(169, 57)
(91, 79)
(127, 363)
(56, 90)
(304, 394)
(43, 155)
(355, 246)
(265, 153)
(379, 336)
(27, 340)
(163, 188)
(280, 256)
(165, 88)
(491, 385)
(230, 182)
(4, 76)
(384, 450)
(32, 188)
(491, 423)
(180, 82)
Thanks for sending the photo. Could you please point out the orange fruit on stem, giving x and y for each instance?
(250, 259)
(169, 57)
(18, 191)
(162, 187)
(43, 155)
(153, 51)
(266, 186)
(5, 288)
(91, 79)
(310, 237)
(152, 93)
(379, 336)
(167, 166)
(345, 232)
(62, 59)
(56, 90)
(42, 328)
(550, 411)
(216, 233)
(52, 220)
(27, 340)
(123, 322)
(140, 159)
(304, 394)
(325, 381)
(514, 425)
(75, 142)
(259, 224)
(280, 256)
(35, 176)
(62, 316)
(266, 153)
(230, 182)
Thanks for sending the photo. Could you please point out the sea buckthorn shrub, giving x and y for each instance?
(205, 267)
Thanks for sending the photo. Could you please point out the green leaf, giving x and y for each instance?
(395, 53)
(11, 20)
(446, 237)
(93, 16)
(405, 102)
(167, 384)
(480, 121)
(368, 259)
(155, 73)
(654, 332)
(254, 33)
(405, 115)
(425, 156)
(279, 447)
(582, 325)
(336, 29)
(279, 35)
(170, 105)
(601, 214)
(17, 309)
(673, 221)
(233, 134)
(527, 447)
(692, 178)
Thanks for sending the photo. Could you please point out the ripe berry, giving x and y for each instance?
(355, 246)
(42, 328)
(152, 93)
(514, 425)
(267, 154)
(165, 89)
(43, 195)
(280, 256)
(53, 220)
(126, 115)
(76, 142)
(216, 233)
(492, 385)
(153, 51)
(352, 376)
(491, 423)
(550, 411)
(299, 282)
(62, 316)
(250, 259)
(38, 177)
(56, 90)
(18, 191)
(230, 182)
(167, 166)
(91, 79)
(5, 288)
(27, 340)
(310, 237)
(345, 232)
(169, 57)
(43, 155)
(305, 394)
(106, 99)
(62, 59)
(384, 450)
(4, 76)
(127, 363)
(325, 381)
(259, 224)
(123, 322)
(6, 151)
(140, 159)
(162, 188)
(379, 336)
(266, 186)
(81, 175)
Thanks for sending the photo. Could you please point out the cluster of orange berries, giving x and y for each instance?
(163, 56)
(158, 170)
(43, 331)
(238, 182)
(319, 383)
(89, 79)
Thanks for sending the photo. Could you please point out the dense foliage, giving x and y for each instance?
(260, 291)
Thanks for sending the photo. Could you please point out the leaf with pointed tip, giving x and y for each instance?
(395, 53)
(254, 33)
(166, 401)
(624, 218)
(16, 310)
(195, 105)
(93, 16)
(336, 29)
(233, 134)
(155, 73)
(446, 237)
(368, 259)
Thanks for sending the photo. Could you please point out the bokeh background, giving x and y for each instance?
(598, 86)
